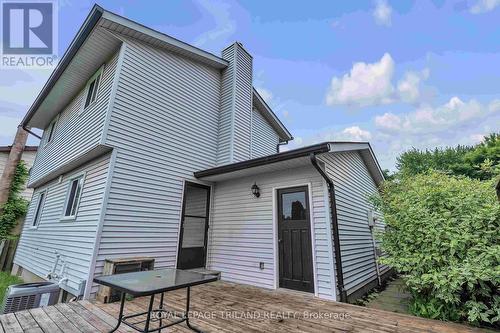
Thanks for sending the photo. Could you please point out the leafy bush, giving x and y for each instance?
(481, 161)
(443, 236)
(16, 206)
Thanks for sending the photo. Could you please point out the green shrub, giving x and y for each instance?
(5, 281)
(443, 236)
(16, 206)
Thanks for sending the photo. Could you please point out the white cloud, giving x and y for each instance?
(382, 13)
(20, 86)
(369, 84)
(409, 86)
(427, 119)
(225, 26)
(476, 138)
(18, 89)
(454, 122)
(366, 84)
(265, 94)
(8, 127)
(388, 121)
(355, 133)
(483, 6)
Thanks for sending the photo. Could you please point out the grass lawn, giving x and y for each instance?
(6, 280)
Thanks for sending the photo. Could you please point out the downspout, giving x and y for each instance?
(27, 129)
(335, 228)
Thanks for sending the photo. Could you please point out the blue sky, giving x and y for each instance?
(399, 74)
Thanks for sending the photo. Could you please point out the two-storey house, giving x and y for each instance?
(155, 148)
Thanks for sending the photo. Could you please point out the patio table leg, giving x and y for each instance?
(161, 314)
(148, 316)
(187, 312)
(120, 316)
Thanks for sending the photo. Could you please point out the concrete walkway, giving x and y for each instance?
(394, 298)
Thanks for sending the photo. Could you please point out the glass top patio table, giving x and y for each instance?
(154, 282)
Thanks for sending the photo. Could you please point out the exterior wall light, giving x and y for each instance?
(255, 190)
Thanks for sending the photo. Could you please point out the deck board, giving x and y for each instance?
(229, 307)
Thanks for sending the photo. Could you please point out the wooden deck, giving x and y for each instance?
(227, 307)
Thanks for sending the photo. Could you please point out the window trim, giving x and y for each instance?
(50, 135)
(40, 203)
(81, 179)
(95, 91)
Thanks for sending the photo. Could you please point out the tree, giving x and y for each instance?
(484, 159)
(481, 161)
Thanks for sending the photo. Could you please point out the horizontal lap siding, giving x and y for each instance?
(264, 137)
(225, 135)
(241, 230)
(243, 106)
(73, 239)
(75, 132)
(353, 186)
(164, 126)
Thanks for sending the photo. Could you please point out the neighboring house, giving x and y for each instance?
(153, 147)
(28, 157)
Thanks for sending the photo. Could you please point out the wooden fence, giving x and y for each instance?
(7, 252)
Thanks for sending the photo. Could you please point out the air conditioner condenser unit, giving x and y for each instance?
(30, 295)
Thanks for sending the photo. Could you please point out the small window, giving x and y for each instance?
(73, 197)
(39, 208)
(92, 88)
(51, 130)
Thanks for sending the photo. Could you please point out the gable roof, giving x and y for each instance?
(292, 158)
(61, 85)
(67, 80)
(271, 117)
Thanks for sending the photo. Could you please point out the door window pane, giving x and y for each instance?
(195, 216)
(196, 201)
(294, 206)
(194, 232)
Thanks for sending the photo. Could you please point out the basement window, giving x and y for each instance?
(39, 207)
(92, 88)
(73, 197)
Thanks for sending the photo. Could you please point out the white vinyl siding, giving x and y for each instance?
(264, 137)
(75, 132)
(243, 106)
(353, 187)
(236, 106)
(225, 125)
(164, 126)
(74, 239)
(241, 228)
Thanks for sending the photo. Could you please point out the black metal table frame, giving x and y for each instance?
(160, 311)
